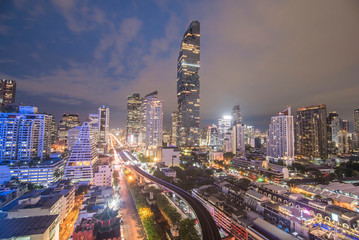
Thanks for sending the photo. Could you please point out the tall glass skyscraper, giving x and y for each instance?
(188, 65)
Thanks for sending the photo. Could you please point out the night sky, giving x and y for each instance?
(74, 56)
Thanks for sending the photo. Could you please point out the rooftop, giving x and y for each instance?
(18, 227)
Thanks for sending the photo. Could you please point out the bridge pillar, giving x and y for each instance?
(141, 180)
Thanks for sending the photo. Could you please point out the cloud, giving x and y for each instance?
(80, 17)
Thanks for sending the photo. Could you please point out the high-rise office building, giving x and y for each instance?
(237, 115)
(7, 91)
(188, 86)
(333, 128)
(174, 129)
(151, 123)
(68, 121)
(224, 124)
(25, 135)
(356, 120)
(280, 140)
(213, 139)
(133, 122)
(238, 138)
(93, 119)
(344, 141)
(72, 136)
(203, 141)
(345, 125)
(103, 127)
(311, 131)
(83, 158)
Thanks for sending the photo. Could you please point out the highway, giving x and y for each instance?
(208, 226)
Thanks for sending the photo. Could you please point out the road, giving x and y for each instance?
(208, 226)
(132, 226)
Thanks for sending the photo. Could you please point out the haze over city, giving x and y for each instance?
(70, 56)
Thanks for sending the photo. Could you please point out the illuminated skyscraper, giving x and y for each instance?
(224, 124)
(82, 161)
(311, 131)
(174, 129)
(67, 122)
(151, 123)
(356, 120)
(93, 119)
(237, 115)
(212, 136)
(25, 135)
(280, 141)
(104, 126)
(188, 84)
(7, 91)
(133, 122)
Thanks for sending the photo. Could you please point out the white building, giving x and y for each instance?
(151, 124)
(224, 124)
(42, 173)
(212, 136)
(72, 136)
(25, 135)
(280, 141)
(83, 157)
(103, 177)
(228, 142)
(238, 144)
(170, 156)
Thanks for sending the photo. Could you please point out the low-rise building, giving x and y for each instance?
(103, 177)
(170, 156)
(43, 173)
(34, 228)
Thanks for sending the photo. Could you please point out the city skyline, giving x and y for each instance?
(264, 54)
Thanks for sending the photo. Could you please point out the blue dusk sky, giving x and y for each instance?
(74, 56)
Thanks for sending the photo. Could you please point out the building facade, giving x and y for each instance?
(68, 121)
(151, 123)
(224, 124)
(188, 86)
(280, 140)
(356, 120)
(174, 129)
(103, 127)
(25, 135)
(311, 131)
(133, 122)
(82, 162)
(237, 115)
(7, 91)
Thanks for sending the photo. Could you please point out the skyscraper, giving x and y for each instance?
(345, 125)
(151, 123)
(103, 127)
(25, 135)
(332, 131)
(7, 91)
(188, 84)
(280, 140)
(237, 115)
(356, 120)
(224, 124)
(82, 161)
(311, 131)
(174, 129)
(133, 122)
(212, 135)
(68, 121)
(238, 139)
(93, 119)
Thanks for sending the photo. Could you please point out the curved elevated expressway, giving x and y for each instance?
(208, 226)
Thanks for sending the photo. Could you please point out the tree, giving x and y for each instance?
(58, 173)
(244, 182)
(187, 230)
(228, 156)
(292, 183)
(115, 178)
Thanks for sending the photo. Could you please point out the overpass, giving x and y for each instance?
(208, 226)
